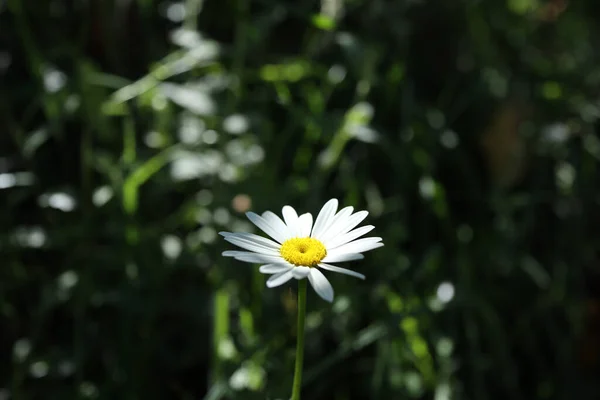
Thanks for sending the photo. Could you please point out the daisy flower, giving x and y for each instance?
(301, 249)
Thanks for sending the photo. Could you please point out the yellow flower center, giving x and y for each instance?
(307, 252)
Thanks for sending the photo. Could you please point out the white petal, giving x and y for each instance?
(279, 279)
(267, 227)
(350, 223)
(255, 238)
(358, 246)
(339, 240)
(251, 245)
(250, 257)
(344, 271)
(300, 272)
(274, 268)
(321, 284)
(339, 220)
(291, 219)
(278, 223)
(343, 257)
(305, 225)
(324, 218)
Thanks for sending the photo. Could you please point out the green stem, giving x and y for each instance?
(300, 344)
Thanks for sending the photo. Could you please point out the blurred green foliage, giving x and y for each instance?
(131, 132)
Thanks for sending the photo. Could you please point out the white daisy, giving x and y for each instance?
(301, 249)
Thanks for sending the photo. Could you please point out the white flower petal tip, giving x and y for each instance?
(251, 257)
(252, 245)
(291, 220)
(321, 285)
(279, 279)
(343, 257)
(274, 268)
(324, 219)
(344, 271)
(270, 226)
(305, 223)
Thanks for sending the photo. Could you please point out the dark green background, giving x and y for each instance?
(467, 128)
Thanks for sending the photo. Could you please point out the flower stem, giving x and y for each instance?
(300, 344)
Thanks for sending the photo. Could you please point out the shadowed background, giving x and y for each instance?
(133, 131)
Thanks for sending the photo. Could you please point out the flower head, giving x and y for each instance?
(301, 249)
